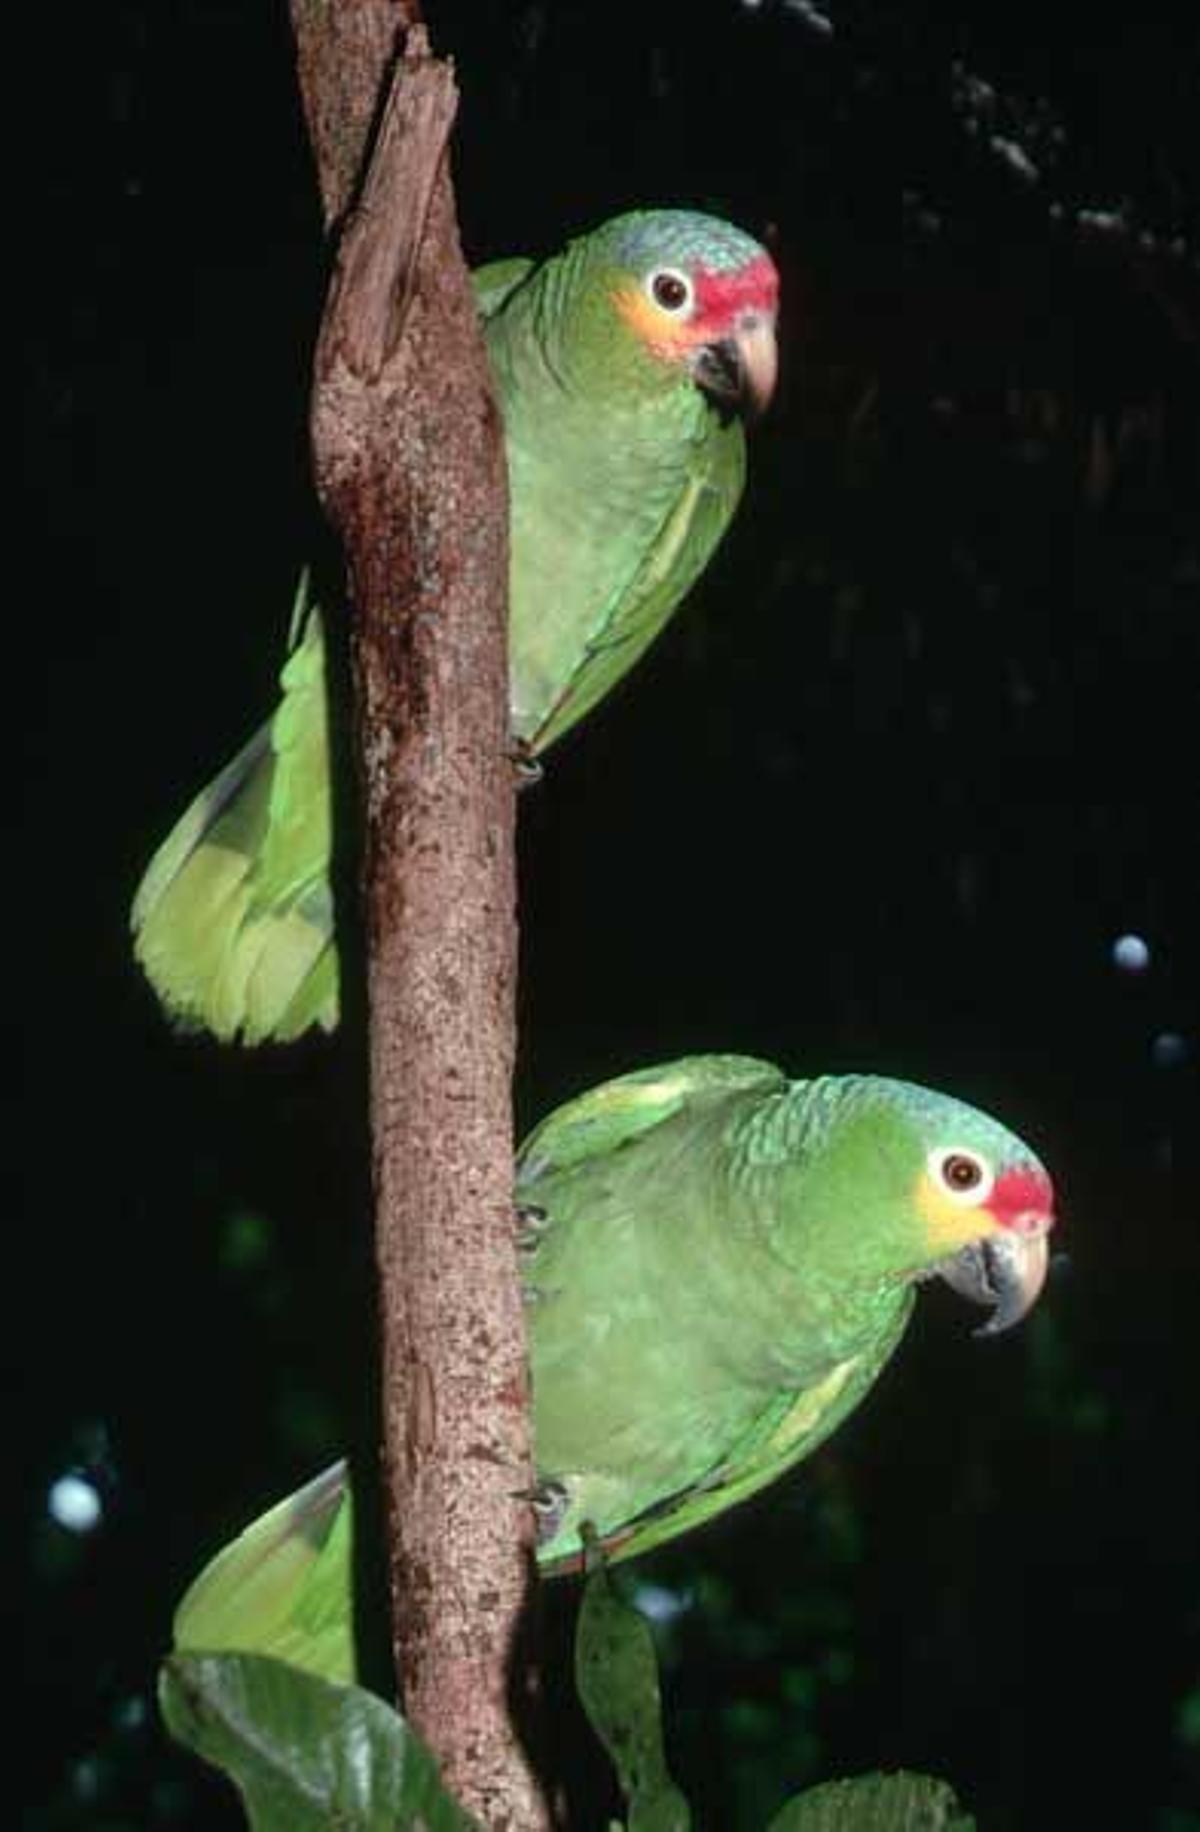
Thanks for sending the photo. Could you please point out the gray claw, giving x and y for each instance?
(531, 1225)
(549, 1500)
(526, 766)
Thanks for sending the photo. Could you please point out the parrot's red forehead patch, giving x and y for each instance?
(1023, 1200)
(721, 296)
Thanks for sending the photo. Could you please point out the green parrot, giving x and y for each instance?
(718, 1263)
(624, 367)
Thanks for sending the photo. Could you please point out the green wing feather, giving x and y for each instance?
(667, 569)
(607, 1117)
(789, 1428)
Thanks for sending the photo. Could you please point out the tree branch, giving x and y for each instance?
(343, 54)
(409, 459)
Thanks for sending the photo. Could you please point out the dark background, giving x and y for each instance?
(920, 748)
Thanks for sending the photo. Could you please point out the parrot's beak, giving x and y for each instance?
(1005, 1271)
(738, 372)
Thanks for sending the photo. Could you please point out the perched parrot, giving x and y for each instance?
(624, 367)
(718, 1263)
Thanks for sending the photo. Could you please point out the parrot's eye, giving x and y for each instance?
(671, 290)
(963, 1174)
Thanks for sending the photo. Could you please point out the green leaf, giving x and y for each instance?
(875, 1803)
(306, 1754)
(616, 1673)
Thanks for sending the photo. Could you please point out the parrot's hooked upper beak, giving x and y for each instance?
(1005, 1271)
(738, 371)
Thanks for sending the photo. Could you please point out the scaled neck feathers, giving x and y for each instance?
(829, 1167)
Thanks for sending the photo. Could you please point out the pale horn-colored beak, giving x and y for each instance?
(1006, 1271)
(758, 354)
(739, 371)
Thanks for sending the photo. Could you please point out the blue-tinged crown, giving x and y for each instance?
(800, 1119)
(643, 237)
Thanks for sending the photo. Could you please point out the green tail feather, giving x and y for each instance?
(233, 920)
(283, 1587)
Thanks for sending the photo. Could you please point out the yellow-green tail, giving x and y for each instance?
(233, 920)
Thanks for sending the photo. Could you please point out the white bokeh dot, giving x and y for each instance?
(74, 1503)
(1131, 953)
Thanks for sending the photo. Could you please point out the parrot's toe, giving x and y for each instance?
(526, 766)
(549, 1500)
(531, 1225)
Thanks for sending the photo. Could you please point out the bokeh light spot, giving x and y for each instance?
(1168, 1050)
(1131, 953)
(75, 1504)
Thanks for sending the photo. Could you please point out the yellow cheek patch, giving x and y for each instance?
(665, 335)
(950, 1225)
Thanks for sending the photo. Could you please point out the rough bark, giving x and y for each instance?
(344, 52)
(409, 457)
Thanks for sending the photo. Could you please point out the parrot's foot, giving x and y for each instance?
(549, 1500)
(525, 765)
(531, 1225)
